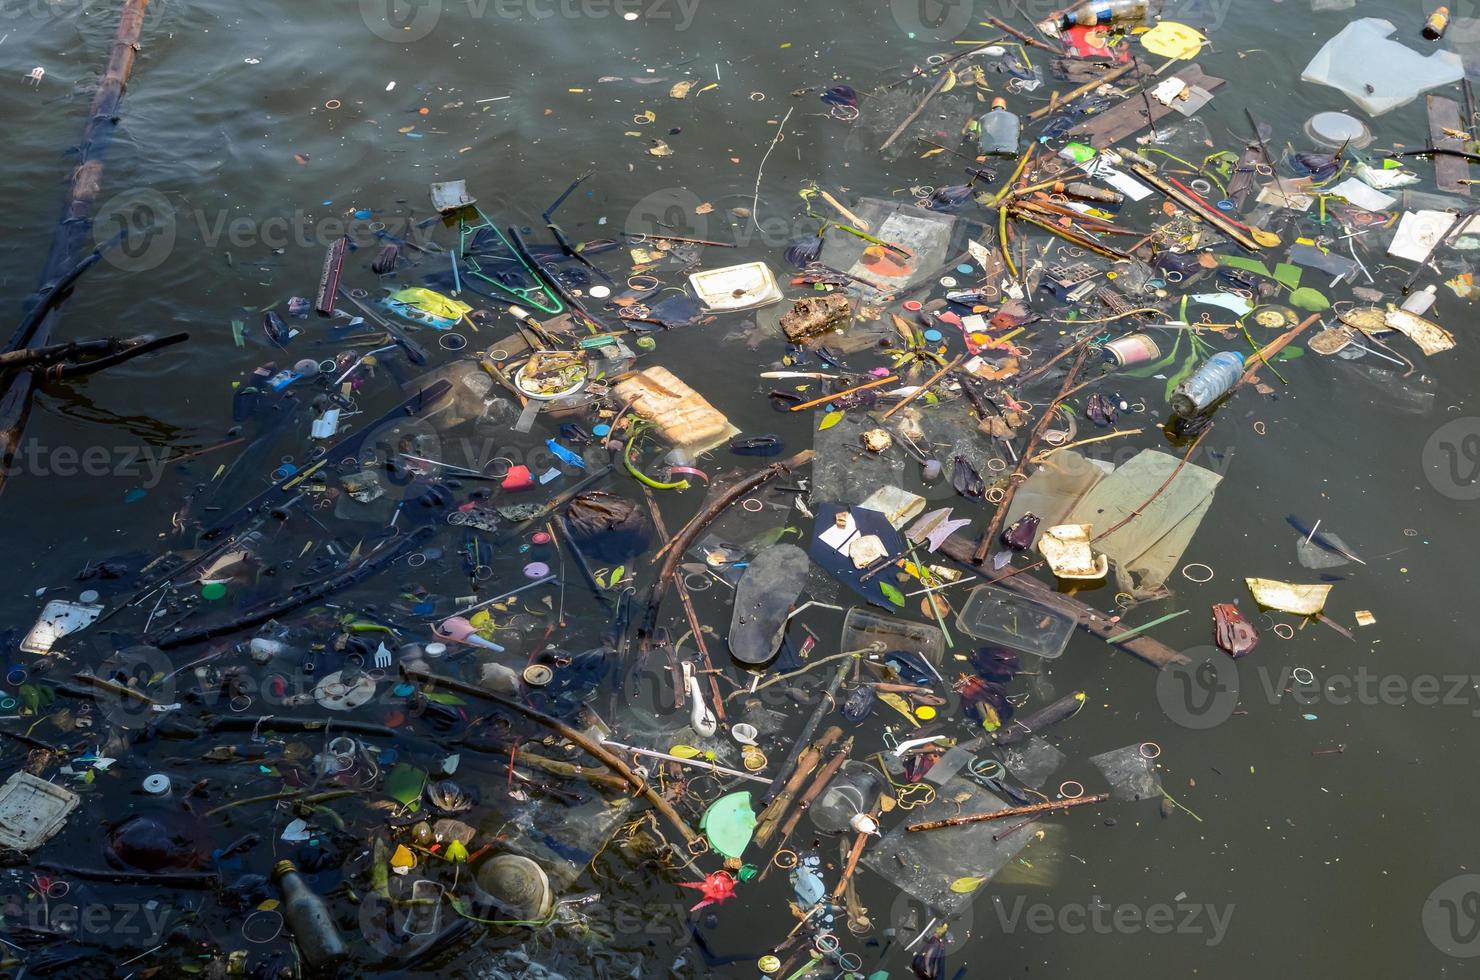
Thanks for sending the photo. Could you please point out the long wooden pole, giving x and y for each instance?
(1012, 811)
(75, 221)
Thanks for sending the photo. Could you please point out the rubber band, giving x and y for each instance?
(777, 860)
(1409, 532)
(416, 559)
(757, 96)
(333, 104)
(826, 943)
(997, 464)
(241, 703)
(994, 495)
(1146, 754)
(17, 676)
(452, 341)
(688, 582)
(1200, 185)
(841, 113)
(632, 282)
(1289, 631)
(745, 504)
(1309, 678)
(498, 354)
(1124, 600)
(508, 466)
(1071, 796)
(1187, 572)
(258, 933)
(1259, 428)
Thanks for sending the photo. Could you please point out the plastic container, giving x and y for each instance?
(1000, 131)
(1422, 301)
(1332, 130)
(32, 810)
(862, 626)
(1015, 622)
(1098, 13)
(854, 790)
(1211, 382)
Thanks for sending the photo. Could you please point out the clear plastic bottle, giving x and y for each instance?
(1098, 13)
(1211, 382)
(309, 918)
(1422, 301)
(1000, 131)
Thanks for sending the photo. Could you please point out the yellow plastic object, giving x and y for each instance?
(1172, 40)
(430, 301)
(1301, 600)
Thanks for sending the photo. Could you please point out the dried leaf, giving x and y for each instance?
(681, 90)
(830, 419)
(965, 886)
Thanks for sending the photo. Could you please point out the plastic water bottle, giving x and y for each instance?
(1000, 131)
(1211, 382)
(1098, 13)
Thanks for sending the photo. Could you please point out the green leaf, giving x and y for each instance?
(892, 594)
(1182, 372)
(830, 419)
(616, 576)
(441, 697)
(1290, 353)
(403, 783)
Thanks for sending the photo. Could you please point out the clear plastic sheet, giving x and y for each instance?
(1131, 775)
(926, 235)
(924, 865)
(1032, 761)
(1376, 72)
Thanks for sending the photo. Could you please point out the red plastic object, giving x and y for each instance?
(518, 478)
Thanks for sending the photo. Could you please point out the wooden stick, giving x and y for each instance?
(688, 610)
(681, 541)
(1089, 86)
(770, 817)
(590, 747)
(843, 394)
(985, 545)
(1012, 811)
(823, 777)
(838, 206)
(1002, 25)
(1196, 207)
(921, 390)
(945, 76)
(82, 190)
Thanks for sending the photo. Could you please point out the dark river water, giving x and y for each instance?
(253, 135)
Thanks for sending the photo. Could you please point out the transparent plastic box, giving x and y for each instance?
(1015, 622)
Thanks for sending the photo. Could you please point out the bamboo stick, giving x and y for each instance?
(1088, 86)
(1012, 811)
(842, 394)
(770, 817)
(921, 390)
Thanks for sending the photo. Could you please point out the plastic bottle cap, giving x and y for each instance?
(913, 305)
(932, 336)
(91, 595)
(157, 784)
(999, 103)
(434, 649)
(213, 590)
(769, 964)
(536, 569)
(600, 292)
(540, 537)
(538, 675)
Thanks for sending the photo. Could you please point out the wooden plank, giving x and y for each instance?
(1128, 118)
(1449, 172)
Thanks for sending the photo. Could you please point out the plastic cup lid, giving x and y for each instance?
(538, 675)
(932, 336)
(536, 569)
(88, 597)
(434, 649)
(744, 733)
(1336, 128)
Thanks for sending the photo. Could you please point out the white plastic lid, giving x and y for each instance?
(157, 784)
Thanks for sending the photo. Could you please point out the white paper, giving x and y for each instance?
(1419, 231)
(1363, 196)
(836, 537)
